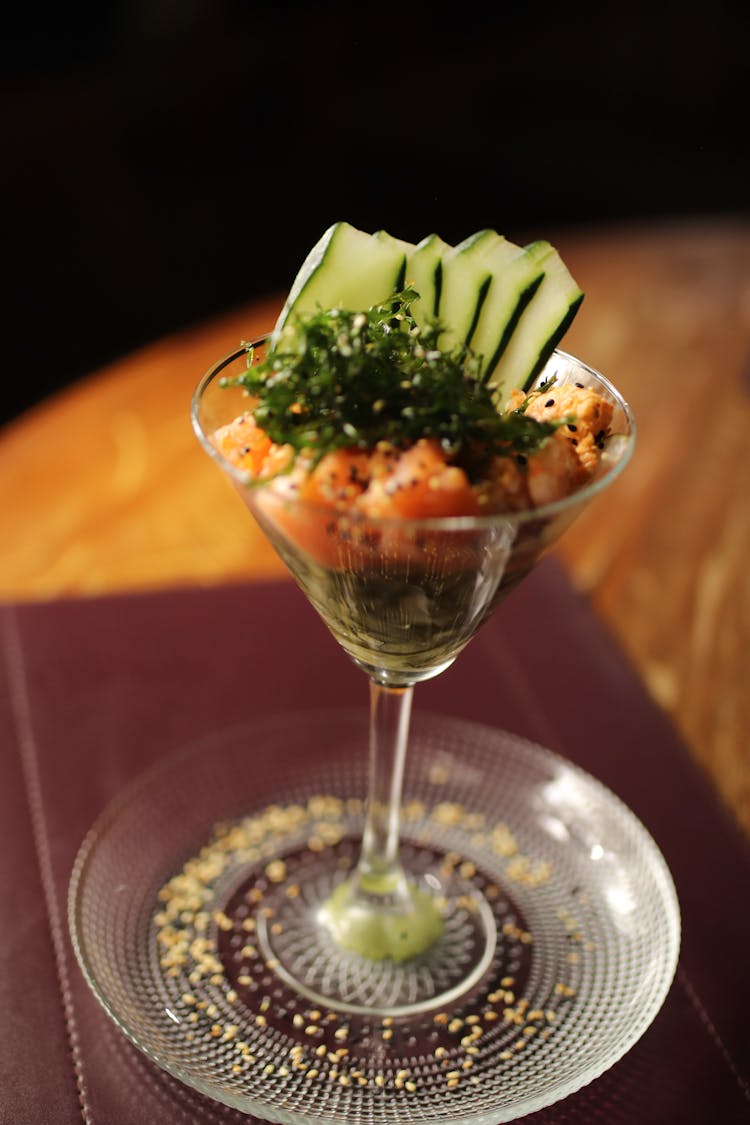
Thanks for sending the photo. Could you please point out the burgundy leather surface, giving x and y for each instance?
(93, 691)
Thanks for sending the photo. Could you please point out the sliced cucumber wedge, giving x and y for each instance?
(516, 275)
(406, 249)
(511, 305)
(424, 271)
(541, 325)
(466, 279)
(347, 268)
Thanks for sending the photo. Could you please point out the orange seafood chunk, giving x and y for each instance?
(504, 487)
(338, 478)
(592, 413)
(554, 470)
(417, 483)
(245, 444)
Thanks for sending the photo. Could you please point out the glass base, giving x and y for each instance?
(295, 938)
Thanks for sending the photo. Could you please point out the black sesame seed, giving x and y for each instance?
(572, 427)
(550, 402)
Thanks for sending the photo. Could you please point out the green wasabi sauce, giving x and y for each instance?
(376, 931)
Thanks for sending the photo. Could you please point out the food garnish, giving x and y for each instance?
(351, 379)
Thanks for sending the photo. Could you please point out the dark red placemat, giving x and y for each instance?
(93, 691)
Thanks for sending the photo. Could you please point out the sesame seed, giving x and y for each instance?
(276, 871)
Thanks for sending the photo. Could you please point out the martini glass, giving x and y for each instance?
(402, 597)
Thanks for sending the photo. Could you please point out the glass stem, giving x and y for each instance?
(379, 869)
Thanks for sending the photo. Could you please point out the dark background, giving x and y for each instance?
(166, 159)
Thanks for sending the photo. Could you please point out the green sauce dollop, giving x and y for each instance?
(376, 930)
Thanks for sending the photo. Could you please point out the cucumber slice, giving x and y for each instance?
(516, 275)
(511, 305)
(347, 268)
(424, 270)
(406, 249)
(466, 279)
(541, 325)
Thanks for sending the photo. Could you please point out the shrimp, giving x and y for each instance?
(572, 454)
(504, 487)
(590, 417)
(553, 471)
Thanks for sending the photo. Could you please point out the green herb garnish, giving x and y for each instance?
(343, 379)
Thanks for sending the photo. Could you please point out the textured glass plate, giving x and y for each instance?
(170, 921)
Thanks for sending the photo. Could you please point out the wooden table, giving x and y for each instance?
(103, 488)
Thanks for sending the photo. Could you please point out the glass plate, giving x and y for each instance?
(170, 919)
